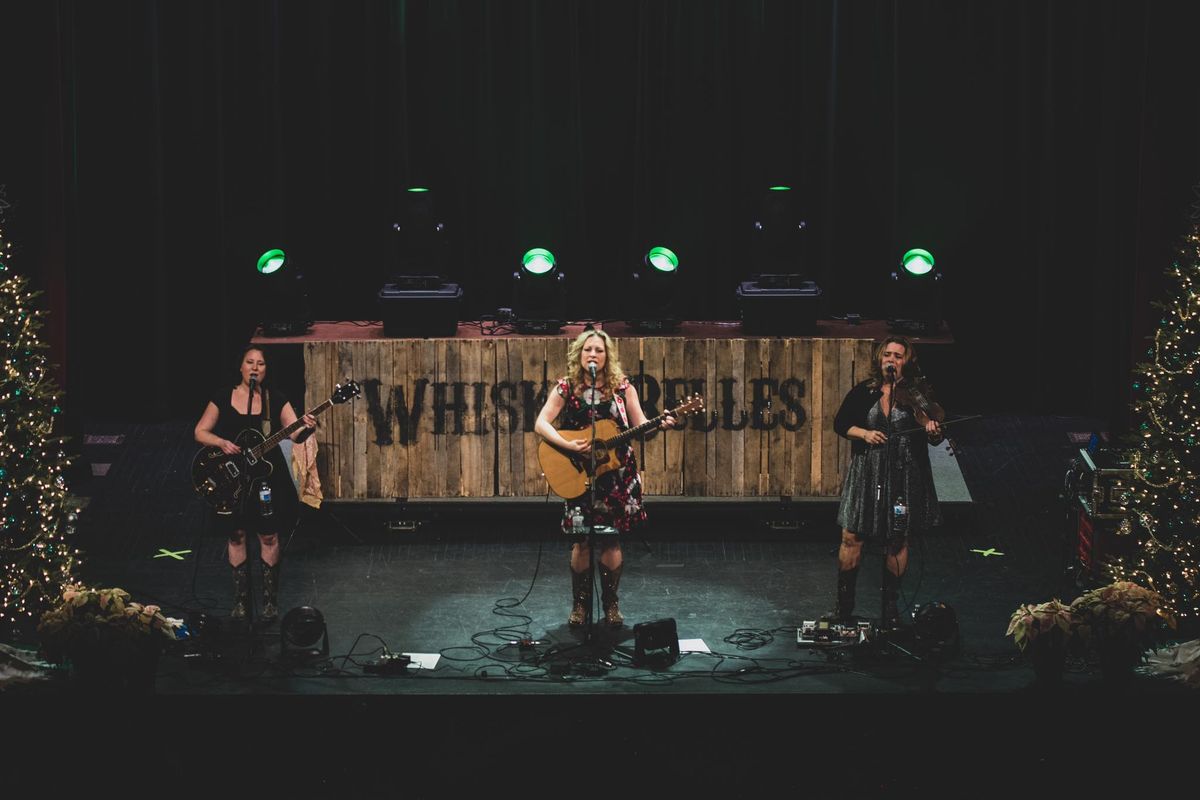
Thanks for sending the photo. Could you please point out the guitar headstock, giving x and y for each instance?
(690, 405)
(345, 391)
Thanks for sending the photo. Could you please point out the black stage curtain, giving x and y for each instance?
(1044, 151)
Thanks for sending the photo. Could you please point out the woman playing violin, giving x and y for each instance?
(892, 399)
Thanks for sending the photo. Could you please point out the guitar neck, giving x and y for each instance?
(629, 434)
(279, 435)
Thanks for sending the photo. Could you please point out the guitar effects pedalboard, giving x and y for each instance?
(831, 633)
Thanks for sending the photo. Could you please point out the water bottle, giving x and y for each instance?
(577, 521)
(899, 516)
(264, 499)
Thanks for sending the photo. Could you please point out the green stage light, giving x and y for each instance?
(418, 298)
(282, 298)
(779, 298)
(662, 259)
(917, 261)
(538, 261)
(271, 261)
(778, 237)
(651, 306)
(914, 294)
(539, 293)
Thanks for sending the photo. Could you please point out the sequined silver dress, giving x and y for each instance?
(912, 479)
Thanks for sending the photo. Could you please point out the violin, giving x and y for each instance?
(915, 394)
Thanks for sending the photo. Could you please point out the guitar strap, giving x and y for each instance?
(619, 398)
(266, 413)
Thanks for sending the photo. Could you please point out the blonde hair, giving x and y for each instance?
(612, 374)
(910, 359)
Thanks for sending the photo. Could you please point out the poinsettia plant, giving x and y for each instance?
(1044, 624)
(88, 615)
(1121, 613)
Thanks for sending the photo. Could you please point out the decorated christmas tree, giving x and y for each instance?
(36, 558)
(1164, 505)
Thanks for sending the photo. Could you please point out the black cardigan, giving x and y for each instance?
(856, 405)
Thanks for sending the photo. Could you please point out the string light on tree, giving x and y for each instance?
(37, 558)
(1163, 505)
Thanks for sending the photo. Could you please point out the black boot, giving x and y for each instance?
(270, 582)
(844, 611)
(891, 590)
(581, 595)
(241, 592)
(610, 579)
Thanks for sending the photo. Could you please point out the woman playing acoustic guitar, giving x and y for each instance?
(224, 417)
(619, 491)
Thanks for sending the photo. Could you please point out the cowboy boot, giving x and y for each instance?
(241, 591)
(610, 579)
(270, 582)
(581, 594)
(846, 580)
(891, 591)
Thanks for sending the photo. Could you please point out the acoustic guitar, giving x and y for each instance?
(567, 471)
(222, 480)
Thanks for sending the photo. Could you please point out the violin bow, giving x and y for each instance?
(943, 424)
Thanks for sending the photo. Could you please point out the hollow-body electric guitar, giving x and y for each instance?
(567, 471)
(222, 480)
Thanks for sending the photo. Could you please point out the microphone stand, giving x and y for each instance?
(251, 608)
(884, 633)
(589, 630)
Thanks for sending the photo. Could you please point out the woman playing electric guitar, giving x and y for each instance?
(270, 506)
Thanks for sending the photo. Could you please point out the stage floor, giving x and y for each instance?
(458, 582)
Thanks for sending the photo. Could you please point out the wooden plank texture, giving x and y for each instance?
(801, 369)
(422, 373)
(343, 364)
(511, 458)
(685, 359)
(448, 417)
(316, 384)
(779, 440)
(725, 481)
(542, 363)
(658, 476)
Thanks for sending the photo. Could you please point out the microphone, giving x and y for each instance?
(890, 369)
(253, 383)
(592, 368)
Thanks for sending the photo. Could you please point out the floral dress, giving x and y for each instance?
(618, 492)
